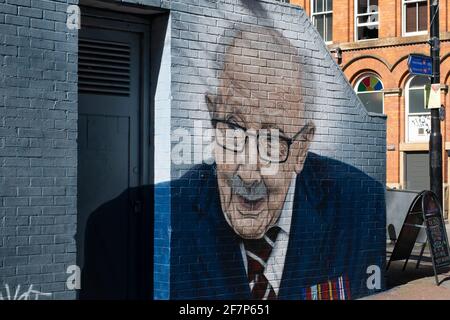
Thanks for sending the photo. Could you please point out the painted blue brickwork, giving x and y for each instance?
(162, 241)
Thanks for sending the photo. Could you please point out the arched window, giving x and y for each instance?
(370, 90)
(418, 119)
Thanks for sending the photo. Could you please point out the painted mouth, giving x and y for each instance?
(250, 207)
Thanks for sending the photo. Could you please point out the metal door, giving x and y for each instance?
(417, 171)
(109, 126)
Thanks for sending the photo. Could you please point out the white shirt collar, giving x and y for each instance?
(284, 221)
(275, 263)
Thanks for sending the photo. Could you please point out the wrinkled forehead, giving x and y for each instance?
(260, 80)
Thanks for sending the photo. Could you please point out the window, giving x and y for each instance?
(370, 91)
(322, 18)
(415, 17)
(366, 19)
(418, 119)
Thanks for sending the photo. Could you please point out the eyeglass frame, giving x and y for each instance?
(289, 141)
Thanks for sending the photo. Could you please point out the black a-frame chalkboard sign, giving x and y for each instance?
(425, 212)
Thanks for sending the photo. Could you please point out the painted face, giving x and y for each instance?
(260, 90)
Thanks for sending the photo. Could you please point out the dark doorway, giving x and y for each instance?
(108, 131)
(114, 155)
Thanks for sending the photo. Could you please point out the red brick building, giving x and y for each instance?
(371, 40)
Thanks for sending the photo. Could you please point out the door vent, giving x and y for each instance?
(103, 67)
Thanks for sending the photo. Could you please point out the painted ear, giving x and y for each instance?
(308, 137)
(210, 103)
(310, 131)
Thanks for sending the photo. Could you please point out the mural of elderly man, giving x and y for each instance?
(308, 230)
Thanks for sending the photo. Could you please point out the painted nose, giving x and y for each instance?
(249, 171)
(249, 176)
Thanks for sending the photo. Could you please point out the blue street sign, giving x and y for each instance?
(420, 64)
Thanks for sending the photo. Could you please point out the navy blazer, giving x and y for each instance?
(337, 232)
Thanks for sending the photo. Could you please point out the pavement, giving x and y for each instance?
(414, 283)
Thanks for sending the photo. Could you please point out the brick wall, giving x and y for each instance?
(390, 13)
(386, 57)
(38, 130)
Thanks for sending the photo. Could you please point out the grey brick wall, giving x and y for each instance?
(38, 151)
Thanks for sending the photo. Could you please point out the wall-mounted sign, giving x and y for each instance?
(419, 128)
(432, 96)
(420, 65)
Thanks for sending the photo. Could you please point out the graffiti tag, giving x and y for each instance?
(27, 295)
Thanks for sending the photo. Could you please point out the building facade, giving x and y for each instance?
(371, 41)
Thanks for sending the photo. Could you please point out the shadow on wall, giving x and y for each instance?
(119, 239)
(118, 248)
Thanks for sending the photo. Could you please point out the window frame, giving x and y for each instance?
(407, 114)
(361, 78)
(324, 13)
(414, 33)
(356, 25)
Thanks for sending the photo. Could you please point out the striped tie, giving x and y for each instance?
(258, 252)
